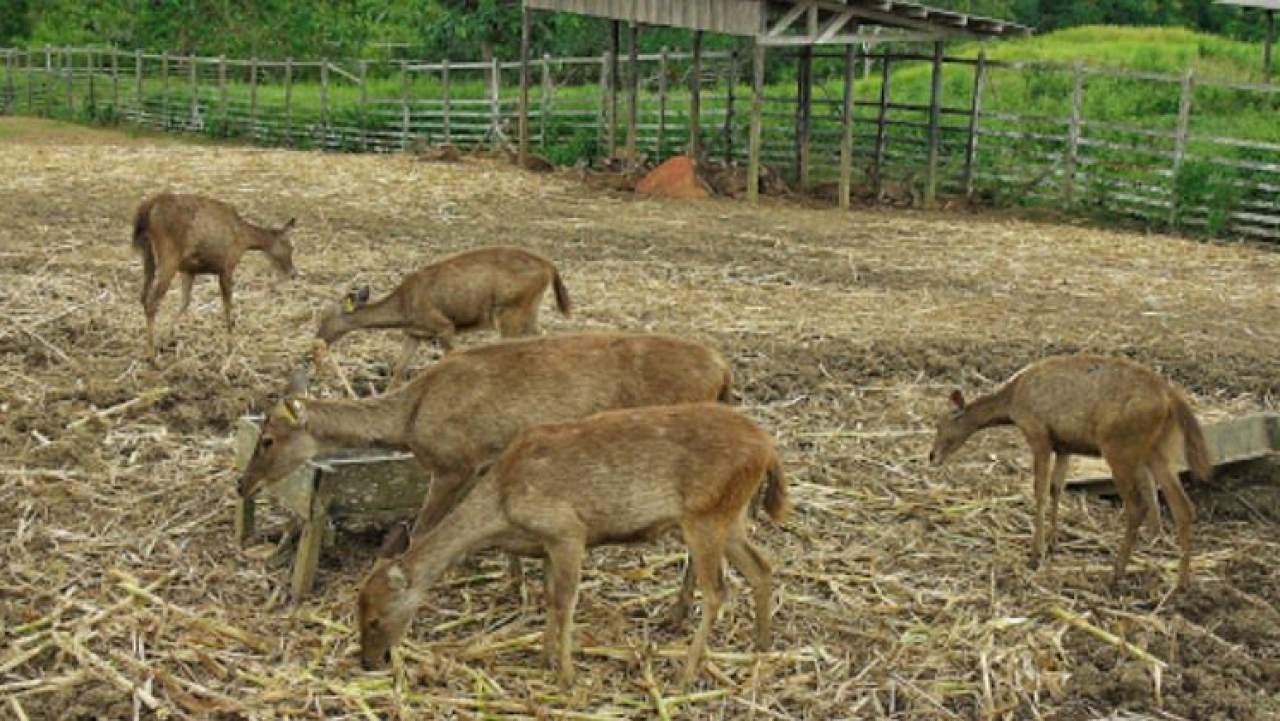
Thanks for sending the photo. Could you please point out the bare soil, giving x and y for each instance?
(904, 589)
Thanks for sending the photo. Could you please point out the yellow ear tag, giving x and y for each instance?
(288, 413)
(350, 304)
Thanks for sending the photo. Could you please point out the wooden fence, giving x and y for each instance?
(964, 139)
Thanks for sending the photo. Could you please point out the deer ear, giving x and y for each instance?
(288, 225)
(396, 542)
(396, 577)
(957, 399)
(299, 381)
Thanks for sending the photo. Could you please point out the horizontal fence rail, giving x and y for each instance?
(966, 139)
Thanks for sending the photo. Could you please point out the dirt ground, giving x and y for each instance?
(904, 589)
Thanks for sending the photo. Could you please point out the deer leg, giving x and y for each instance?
(747, 559)
(445, 491)
(706, 551)
(224, 285)
(187, 280)
(565, 560)
(1127, 476)
(1183, 511)
(151, 305)
(1061, 464)
(1149, 497)
(407, 350)
(1040, 449)
(680, 609)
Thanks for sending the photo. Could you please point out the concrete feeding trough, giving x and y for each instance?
(350, 488)
(1230, 441)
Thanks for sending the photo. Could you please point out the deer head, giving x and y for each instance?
(280, 250)
(284, 443)
(952, 430)
(334, 325)
(384, 609)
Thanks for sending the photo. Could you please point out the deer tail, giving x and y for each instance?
(1198, 457)
(562, 294)
(141, 226)
(776, 501)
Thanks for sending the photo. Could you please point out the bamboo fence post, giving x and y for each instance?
(68, 72)
(757, 109)
(729, 106)
(31, 101)
(975, 110)
(194, 81)
(695, 98)
(164, 89)
(46, 81)
(1073, 136)
(253, 97)
(1268, 45)
(288, 102)
(662, 102)
(10, 98)
(882, 123)
(935, 128)
(804, 109)
(404, 104)
(91, 64)
(324, 103)
(495, 103)
(602, 120)
(1180, 142)
(224, 100)
(115, 84)
(615, 82)
(633, 92)
(545, 100)
(364, 105)
(610, 104)
(846, 121)
(448, 101)
(138, 81)
(522, 129)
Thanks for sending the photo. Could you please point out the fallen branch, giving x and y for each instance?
(145, 399)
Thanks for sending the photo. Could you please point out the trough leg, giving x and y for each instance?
(245, 520)
(307, 562)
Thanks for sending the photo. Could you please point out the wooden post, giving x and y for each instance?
(140, 99)
(324, 103)
(804, 109)
(1180, 142)
(224, 100)
(31, 101)
(495, 101)
(245, 520)
(91, 64)
(288, 102)
(1073, 139)
(364, 105)
(68, 71)
(728, 106)
(602, 134)
(611, 92)
(194, 81)
(526, 30)
(662, 102)
(164, 89)
(695, 98)
(975, 110)
(633, 92)
(935, 128)
(757, 108)
(47, 81)
(1268, 46)
(307, 561)
(882, 124)
(545, 101)
(115, 84)
(846, 125)
(10, 96)
(448, 102)
(253, 97)
(404, 104)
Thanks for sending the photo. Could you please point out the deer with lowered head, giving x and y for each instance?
(193, 235)
(482, 288)
(622, 476)
(462, 411)
(1118, 409)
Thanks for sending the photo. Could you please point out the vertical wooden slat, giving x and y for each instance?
(495, 98)
(448, 100)
(1268, 46)
(695, 98)
(804, 114)
(92, 66)
(224, 98)
(1073, 134)
(882, 124)
(9, 97)
(975, 111)
(846, 126)
(364, 106)
(68, 72)
(662, 102)
(324, 103)
(1180, 142)
(546, 100)
(31, 101)
(757, 108)
(935, 129)
(253, 97)
(523, 129)
(194, 84)
(611, 93)
(731, 92)
(164, 89)
(633, 92)
(404, 104)
(115, 83)
(602, 120)
(288, 101)
(47, 80)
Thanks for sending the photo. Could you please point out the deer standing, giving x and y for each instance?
(193, 235)
(616, 477)
(480, 288)
(1093, 405)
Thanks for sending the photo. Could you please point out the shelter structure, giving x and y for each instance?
(1268, 8)
(799, 24)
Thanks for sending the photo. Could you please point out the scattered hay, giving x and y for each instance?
(903, 589)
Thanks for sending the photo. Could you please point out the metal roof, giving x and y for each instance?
(793, 22)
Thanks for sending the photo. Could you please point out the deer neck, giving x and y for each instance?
(380, 421)
(257, 237)
(476, 523)
(989, 411)
(384, 313)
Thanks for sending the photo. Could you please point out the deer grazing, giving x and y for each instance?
(476, 289)
(1093, 405)
(616, 477)
(462, 411)
(194, 235)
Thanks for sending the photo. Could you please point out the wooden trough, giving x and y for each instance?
(1230, 441)
(357, 489)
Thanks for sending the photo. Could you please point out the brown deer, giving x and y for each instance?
(1093, 405)
(465, 409)
(476, 289)
(623, 476)
(194, 235)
